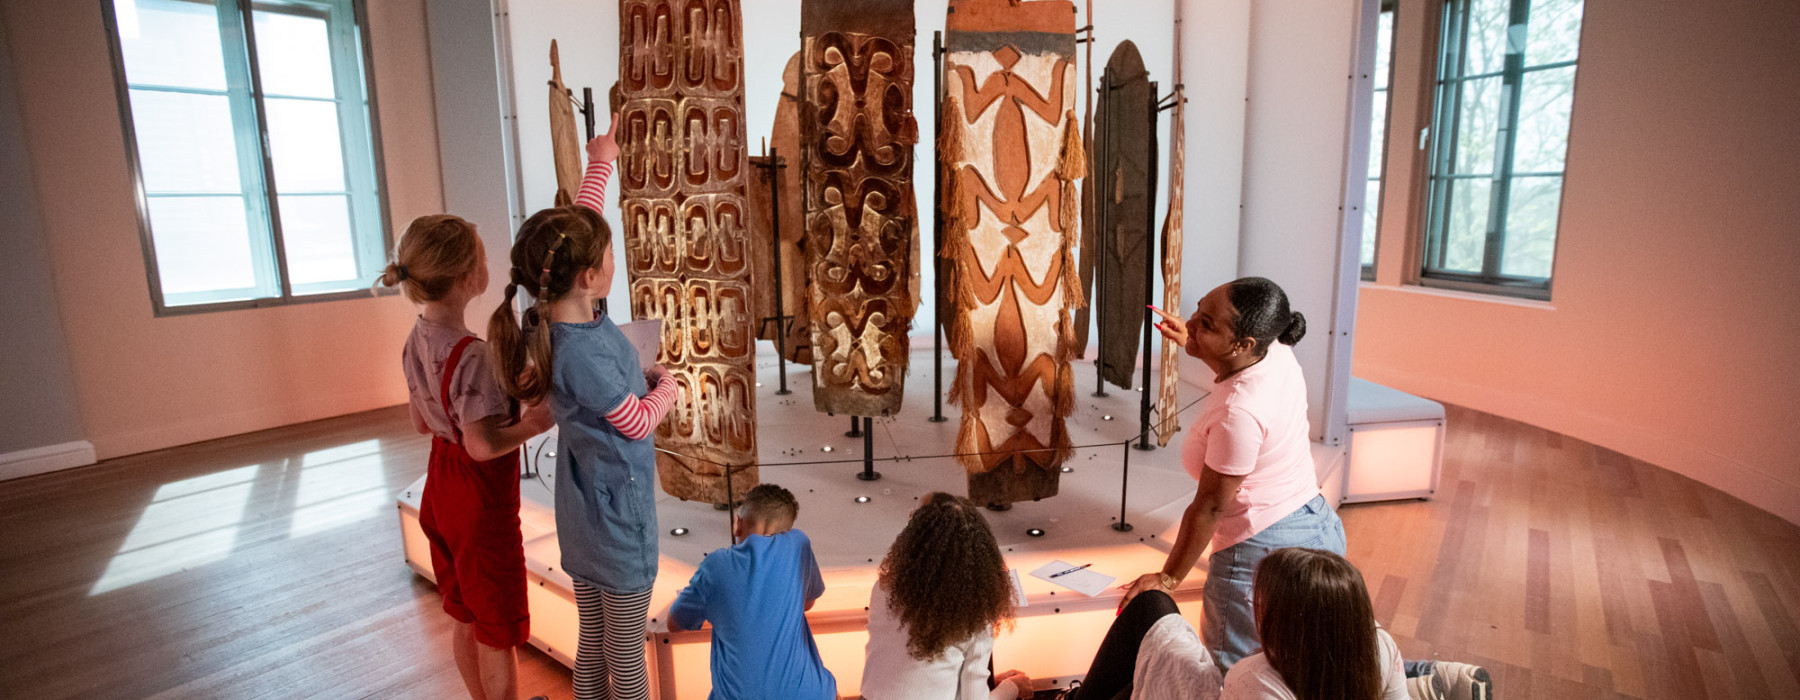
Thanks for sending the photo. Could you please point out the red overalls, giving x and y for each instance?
(470, 515)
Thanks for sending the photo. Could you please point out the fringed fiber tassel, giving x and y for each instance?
(950, 130)
(1062, 447)
(1074, 159)
(968, 441)
(1071, 276)
(1068, 208)
(1065, 390)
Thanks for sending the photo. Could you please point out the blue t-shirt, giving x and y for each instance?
(605, 482)
(755, 593)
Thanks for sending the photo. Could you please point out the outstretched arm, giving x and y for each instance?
(1197, 526)
(602, 150)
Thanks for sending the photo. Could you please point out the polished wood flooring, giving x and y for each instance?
(268, 565)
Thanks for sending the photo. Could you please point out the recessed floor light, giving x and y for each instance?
(1106, 418)
(862, 499)
(679, 531)
(826, 448)
(1068, 470)
(1034, 532)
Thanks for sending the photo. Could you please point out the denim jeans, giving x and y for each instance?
(1228, 623)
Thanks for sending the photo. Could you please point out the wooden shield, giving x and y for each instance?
(791, 279)
(682, 177)
(1013, 146)
(1124, 158)
(857, 133)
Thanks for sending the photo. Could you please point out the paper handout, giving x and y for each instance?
(1074, 577)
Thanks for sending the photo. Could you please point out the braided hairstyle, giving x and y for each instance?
(945, 577)
(435, 253)
(1263, 313)
(553, 247)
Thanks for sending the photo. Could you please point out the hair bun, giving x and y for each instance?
(1296, 329)
(393, 275)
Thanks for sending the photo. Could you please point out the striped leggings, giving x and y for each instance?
(609, 661)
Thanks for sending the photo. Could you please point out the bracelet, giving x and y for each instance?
(1168, 582)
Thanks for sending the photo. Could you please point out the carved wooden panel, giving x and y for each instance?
(1011, 137)
(857, 132)
(791, 278)
(682, 173)
(1124, 159)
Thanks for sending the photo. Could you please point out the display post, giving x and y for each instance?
(937, 237)
(587, 115)
(1124, 481)
(1149, 279)
(1102, 148)
(781, 317)
(868, 472)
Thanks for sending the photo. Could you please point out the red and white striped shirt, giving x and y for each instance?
(634, 417)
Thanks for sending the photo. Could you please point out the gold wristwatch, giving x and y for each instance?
(1168, 582)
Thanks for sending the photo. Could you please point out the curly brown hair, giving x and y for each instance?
(944, 576)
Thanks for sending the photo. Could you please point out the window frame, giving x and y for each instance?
(1440, 168)
(267, 207)
(1387, 137)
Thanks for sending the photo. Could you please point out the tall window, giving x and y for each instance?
(1506, 80)
(249, 130)
(1378, 117)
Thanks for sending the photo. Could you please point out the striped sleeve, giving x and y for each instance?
(636, 417)
(593, 186)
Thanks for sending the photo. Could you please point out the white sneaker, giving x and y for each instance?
(1451, 681)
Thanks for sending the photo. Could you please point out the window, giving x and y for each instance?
(1506, 83)
(1378, 117)
(247, 124)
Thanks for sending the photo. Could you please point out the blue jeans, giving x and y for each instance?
(1228, 624)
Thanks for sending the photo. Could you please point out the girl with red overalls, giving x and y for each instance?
(470, 508)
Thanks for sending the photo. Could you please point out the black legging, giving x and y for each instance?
(1110, 674)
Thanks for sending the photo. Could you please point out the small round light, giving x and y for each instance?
(759, 385)
(826, 448)
(1068, 470)
(1106, 418)
(1034, 532)
(549, 454)
(679, 531)
(862, 499)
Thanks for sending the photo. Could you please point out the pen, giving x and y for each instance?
(1070, 571)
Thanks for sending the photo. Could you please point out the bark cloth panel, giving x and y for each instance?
(857, 134)
(1011, 146)
(683, 172)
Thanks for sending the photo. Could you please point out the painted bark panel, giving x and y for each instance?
(1012, 146)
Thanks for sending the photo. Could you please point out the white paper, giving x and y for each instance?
(1018, 589)
(1087, 582)
(646, 336)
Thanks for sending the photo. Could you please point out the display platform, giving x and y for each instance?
(807, 452)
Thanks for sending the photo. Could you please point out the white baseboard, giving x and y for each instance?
(46, 459)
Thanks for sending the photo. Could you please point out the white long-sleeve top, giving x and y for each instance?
(891, 673)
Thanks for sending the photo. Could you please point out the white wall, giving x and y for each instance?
(1306, 99)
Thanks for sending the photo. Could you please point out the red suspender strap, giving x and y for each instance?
(450, 366)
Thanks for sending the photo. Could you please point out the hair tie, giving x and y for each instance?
(401, 273)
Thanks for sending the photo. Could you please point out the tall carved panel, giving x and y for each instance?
(1124, 160)
(1012, 144)
(682, 178)
(857, 133)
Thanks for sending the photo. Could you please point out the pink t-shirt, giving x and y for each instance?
(1254, 425)
(474, 393)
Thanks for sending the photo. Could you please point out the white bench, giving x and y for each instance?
(1396, 444)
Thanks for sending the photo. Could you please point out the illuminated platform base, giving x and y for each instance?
(1056, 634)
(1396, 444)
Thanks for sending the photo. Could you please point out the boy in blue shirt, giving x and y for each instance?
(756, 594)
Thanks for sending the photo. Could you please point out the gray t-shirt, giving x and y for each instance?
(474, 394)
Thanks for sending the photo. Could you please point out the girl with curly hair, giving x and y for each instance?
(942, 592)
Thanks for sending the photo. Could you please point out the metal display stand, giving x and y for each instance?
(937, 238)
(781, 319)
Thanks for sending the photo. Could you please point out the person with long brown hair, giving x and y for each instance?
(1319, 637)
(942, 592)
(470, 509)
(605, 410)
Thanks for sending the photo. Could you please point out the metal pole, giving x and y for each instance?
(937, 239)
(775, 167)
(1124, 481)
(855, 427)
(731, 513)
(1149, 274)
(868, 472)
(1102, 146)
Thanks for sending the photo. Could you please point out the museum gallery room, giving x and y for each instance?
(894, 349)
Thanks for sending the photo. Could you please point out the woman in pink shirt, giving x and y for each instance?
(1252, 453)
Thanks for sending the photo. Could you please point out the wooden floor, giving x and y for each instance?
(268, 565)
